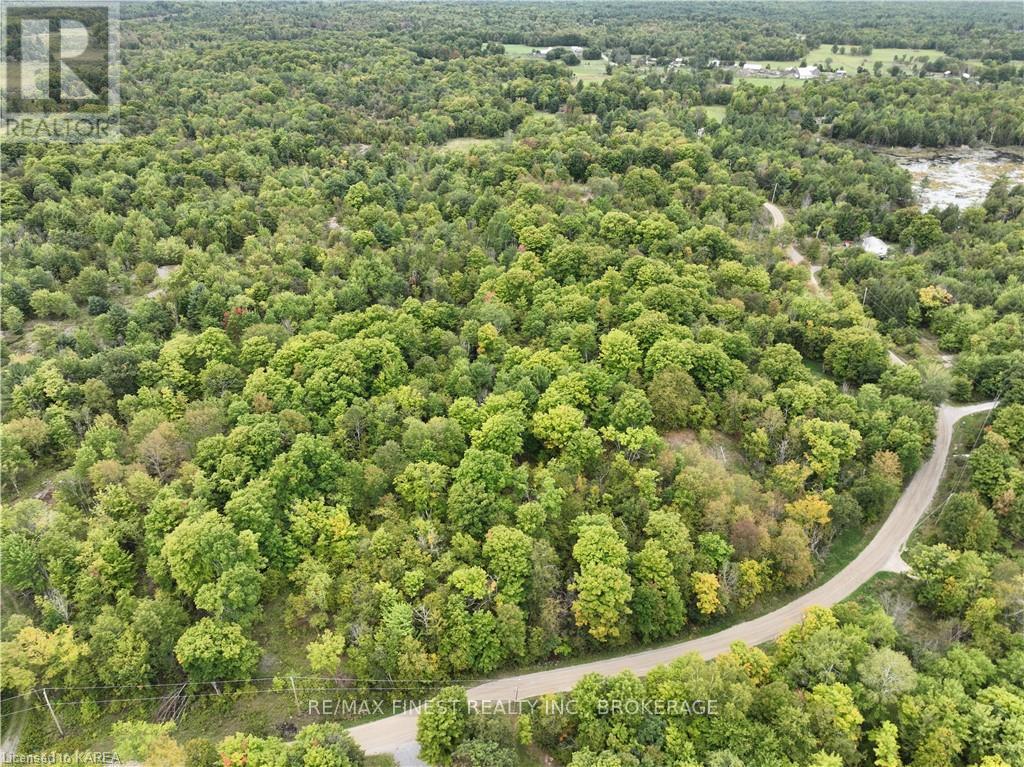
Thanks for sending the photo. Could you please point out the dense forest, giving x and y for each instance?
(753, 30)
(374, 355)
(927, 672)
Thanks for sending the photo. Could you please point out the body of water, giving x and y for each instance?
(960, 177)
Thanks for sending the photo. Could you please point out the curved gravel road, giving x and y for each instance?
(794, 255)
(397, 734)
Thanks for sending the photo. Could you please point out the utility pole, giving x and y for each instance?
(295, 693)
(56, 721)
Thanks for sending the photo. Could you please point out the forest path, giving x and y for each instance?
(794, 255)
(896, 359)
(397, 734)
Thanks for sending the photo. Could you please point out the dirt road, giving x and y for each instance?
(794, 255)
(896, 359)
(397, 734)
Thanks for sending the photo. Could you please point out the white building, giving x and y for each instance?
(807, 73)
(751, 67)
(874, 245)
(578, 50)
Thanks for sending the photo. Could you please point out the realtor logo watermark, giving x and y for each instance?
(61, 72)
(360, 708)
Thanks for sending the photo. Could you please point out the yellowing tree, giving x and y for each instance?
(887, 745)
(754, 580)
(934, 297)
(809, 511)
(706, 590)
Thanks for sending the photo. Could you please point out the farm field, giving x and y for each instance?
(823, 56)
(589, 71)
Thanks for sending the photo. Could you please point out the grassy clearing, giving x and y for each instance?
(816, 368)
(773, 82)
(823, 55)
(712, 444)
(586, 71)
(590, 71)
(519, 51)
(928, 351)
(465, 144)
(715, 112)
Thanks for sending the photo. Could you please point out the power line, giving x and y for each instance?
(963, 469)
(356, 687)
(249, 680)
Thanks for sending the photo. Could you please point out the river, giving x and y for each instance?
(960, 177)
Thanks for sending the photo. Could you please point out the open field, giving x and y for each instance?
(716, 112)
(773, 82)
(823, 55)
(590, 71)
(465, 144)
(587, 71)
(516, 51)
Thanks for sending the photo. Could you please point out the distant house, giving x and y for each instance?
(713, 63)
(578, 50)
(807, 73)
(874, 245)
(840, 73)
(751, 67)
